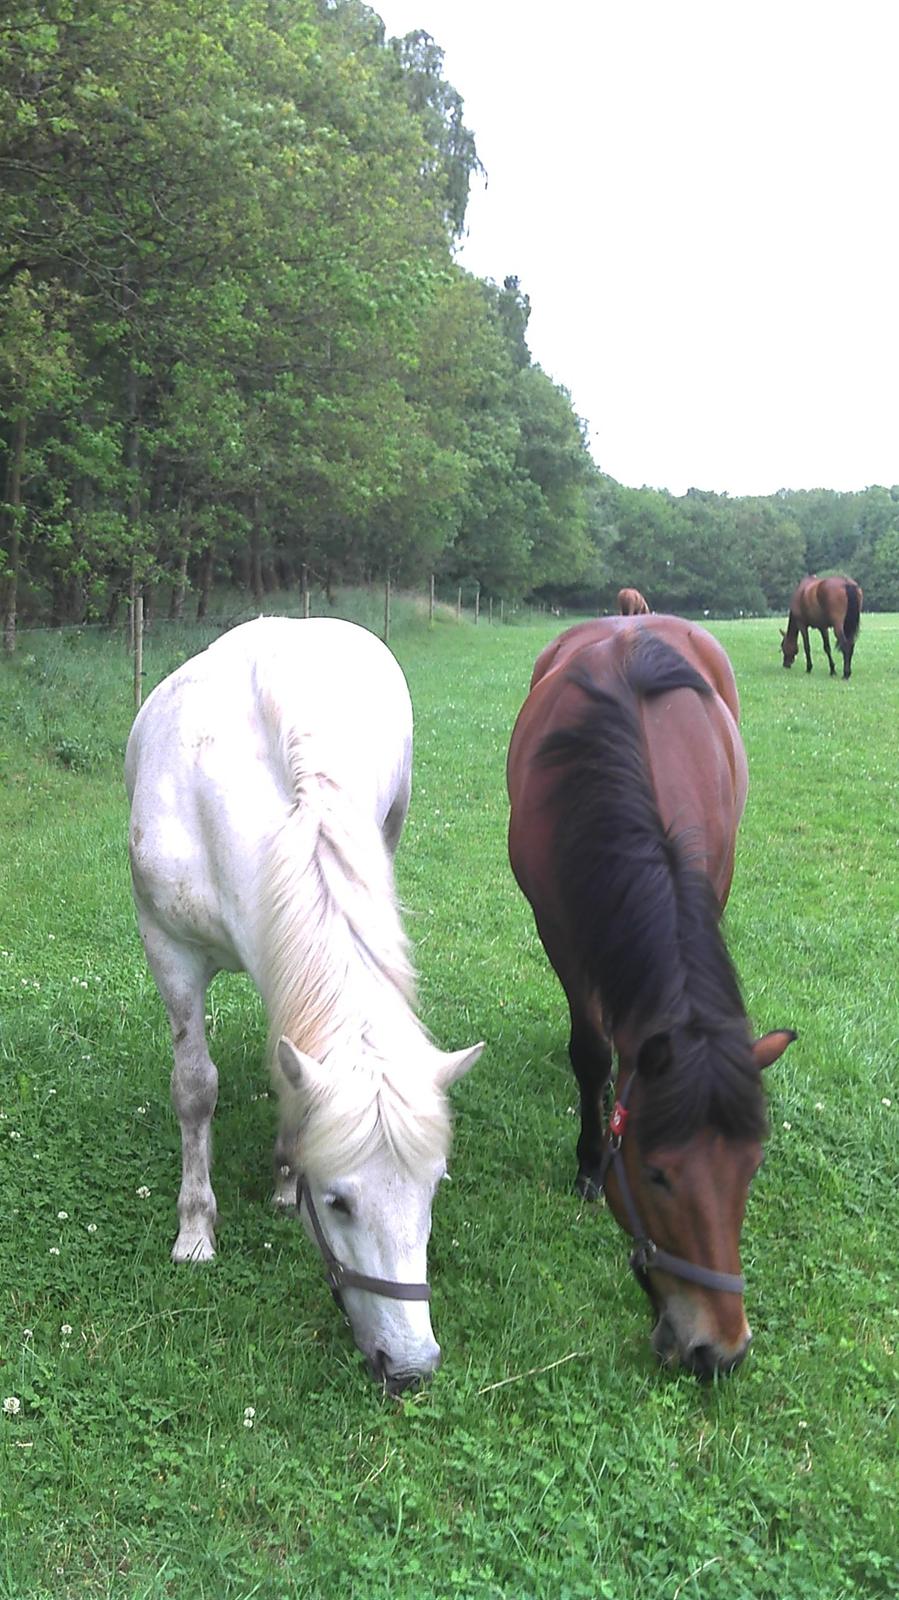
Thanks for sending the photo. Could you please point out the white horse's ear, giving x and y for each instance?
(453, 1064)
(302, 1072)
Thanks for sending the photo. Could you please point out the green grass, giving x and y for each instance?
(550, 1459)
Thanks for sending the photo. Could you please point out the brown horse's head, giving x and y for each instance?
(684, 1199)
(789, 644)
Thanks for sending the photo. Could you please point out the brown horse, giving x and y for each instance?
(627, 778)
(631, 603)
(823, 603)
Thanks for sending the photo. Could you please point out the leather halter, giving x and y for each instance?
(646, 1254)
(341, 1277)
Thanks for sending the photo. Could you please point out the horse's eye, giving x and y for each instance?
(338, 1202)
(656, 1176)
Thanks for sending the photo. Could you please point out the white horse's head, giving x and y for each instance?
(372, 1151)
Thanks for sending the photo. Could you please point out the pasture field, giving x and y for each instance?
(211, 1434)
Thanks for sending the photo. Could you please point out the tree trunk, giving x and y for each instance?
(205, 583)
(256, 584)
(9, 589)
(179, 587)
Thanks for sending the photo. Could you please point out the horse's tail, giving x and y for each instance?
(853, 611)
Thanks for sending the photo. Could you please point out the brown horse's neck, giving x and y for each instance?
(792, 626)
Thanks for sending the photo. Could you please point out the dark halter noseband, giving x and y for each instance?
(341, 1277)
(646, 1253)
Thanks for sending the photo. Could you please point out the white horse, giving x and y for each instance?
(269, 780)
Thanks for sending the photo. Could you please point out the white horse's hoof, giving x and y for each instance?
(193, 1247)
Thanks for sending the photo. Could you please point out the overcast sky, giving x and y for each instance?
(700, 198)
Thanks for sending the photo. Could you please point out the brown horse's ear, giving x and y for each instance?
(783, 633)
(654, 1055)
(771, 1046)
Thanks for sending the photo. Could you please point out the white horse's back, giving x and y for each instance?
(208, 772)
(269, 780)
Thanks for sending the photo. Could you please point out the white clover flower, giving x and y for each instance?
(249, 1416)
(92, 1227)
(788, 1126)
(267, 1244)
(27, 1333)
(143, 1192)
(886, 1101)
(62, 1216)
(54, 1249)
(14, 1135)
(12, 1405)
(142, 1110)
(66, 1329)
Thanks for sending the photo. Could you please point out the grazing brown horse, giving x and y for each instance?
(627, 778)
(631, 603)
(823, 603)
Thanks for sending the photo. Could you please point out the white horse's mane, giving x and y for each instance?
(338, 979)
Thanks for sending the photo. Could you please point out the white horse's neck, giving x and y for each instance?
(335, 967)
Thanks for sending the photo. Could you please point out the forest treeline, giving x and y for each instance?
(235, 341)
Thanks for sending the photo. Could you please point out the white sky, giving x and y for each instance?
(701, 198)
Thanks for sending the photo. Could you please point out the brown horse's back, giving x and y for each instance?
(694, 750)
(828, 603)
(696, 644)
(631, 603)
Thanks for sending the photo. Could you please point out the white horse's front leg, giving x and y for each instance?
(183, 977)
(194, 1096)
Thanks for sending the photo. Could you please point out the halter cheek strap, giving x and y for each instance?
(341, 1277)
(646, 1253)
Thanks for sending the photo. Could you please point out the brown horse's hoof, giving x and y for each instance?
(588, 1187)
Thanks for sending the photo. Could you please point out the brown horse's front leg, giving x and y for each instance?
(808, 653)
(826, 640)
(591, 1060)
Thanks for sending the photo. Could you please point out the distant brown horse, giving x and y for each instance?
(631, 603)
(627, 778)
(823, 603)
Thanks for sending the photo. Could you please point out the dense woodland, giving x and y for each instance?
(235, 342)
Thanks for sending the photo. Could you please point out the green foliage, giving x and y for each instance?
(235, 342)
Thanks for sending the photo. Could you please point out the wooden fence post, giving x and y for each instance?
(502, 612)
(477, 604)
(490, 611)
(305, 590)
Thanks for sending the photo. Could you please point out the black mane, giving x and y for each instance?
(644, 918)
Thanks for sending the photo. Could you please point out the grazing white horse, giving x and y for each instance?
(269, 780)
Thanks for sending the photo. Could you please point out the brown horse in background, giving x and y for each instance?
(823, 603)
(631, 603)
(627, 779)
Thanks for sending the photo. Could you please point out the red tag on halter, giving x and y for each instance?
(618, 1120)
